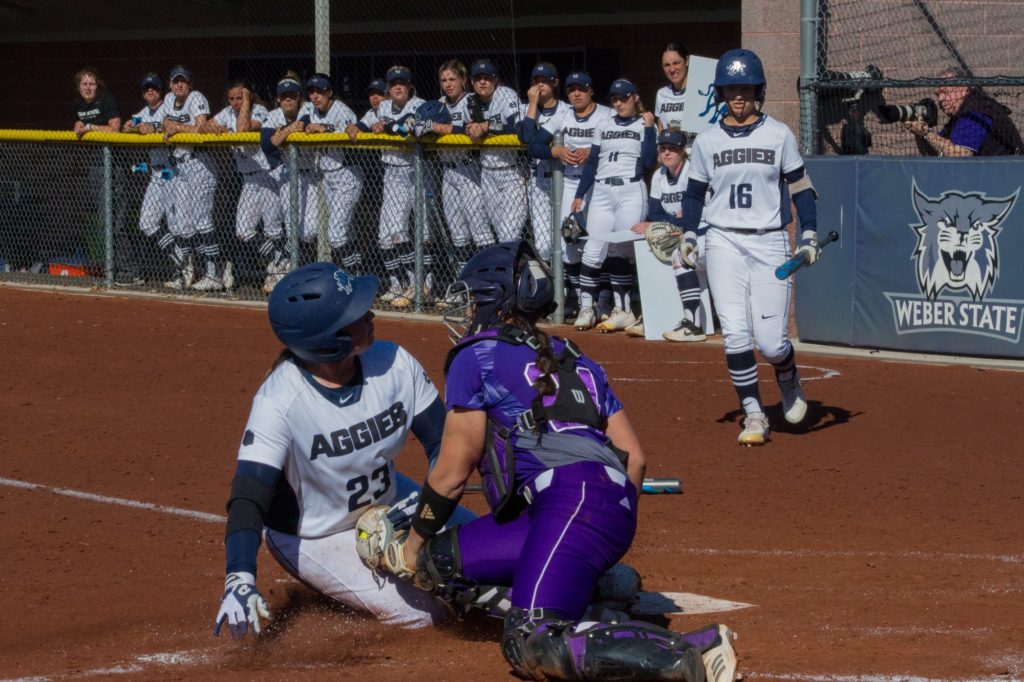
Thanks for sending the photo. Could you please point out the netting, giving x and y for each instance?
(878, 53)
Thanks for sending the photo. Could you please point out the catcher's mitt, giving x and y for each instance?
(663, 238)
(573, 228)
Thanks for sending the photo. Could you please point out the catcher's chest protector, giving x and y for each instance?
(572, 403)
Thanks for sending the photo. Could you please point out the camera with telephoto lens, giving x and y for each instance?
(925, 110)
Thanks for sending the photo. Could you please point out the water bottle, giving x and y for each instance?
(141, 167)
(166, 173)
(136, 120)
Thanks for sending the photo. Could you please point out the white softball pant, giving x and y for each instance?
(194, 186)
(156, 204)
(752, 304)
(464, 206)
(505, 201)
(342, 188)
(539, 192)
(613, 208)
(395, 206)
(259, 201)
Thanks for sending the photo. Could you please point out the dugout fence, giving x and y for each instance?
(75, 211)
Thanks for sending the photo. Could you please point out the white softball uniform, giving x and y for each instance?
(461, 193)
(399, 189)
(259, 200)
(336, 451)
(669, 193)
(342, 182)
(539, 187)
(619, 200)
(157, 203)
(195, 181)
(279, 173)
(501, 176)
(746, 240)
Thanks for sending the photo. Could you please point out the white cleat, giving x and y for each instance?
(228, 277)
(586, 319)
(208, 283)
(636, 330)
(720, 660)
(755, 429)
(617, 321)
(794, 405)
(685, 331)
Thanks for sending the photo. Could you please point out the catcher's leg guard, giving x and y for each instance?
(545, 647)
(440, 565)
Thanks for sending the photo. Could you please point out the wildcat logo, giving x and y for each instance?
(711, 106)
(737, 68)
(957, 255)
(344, 281)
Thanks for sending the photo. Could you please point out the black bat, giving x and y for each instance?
(800, 260)
(651, 486)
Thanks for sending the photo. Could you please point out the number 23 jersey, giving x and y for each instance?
(744, 173)
(336, 447)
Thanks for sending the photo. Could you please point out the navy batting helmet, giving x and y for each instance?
(740, 67)
(433, 110)
(311, 306)
(502, 279)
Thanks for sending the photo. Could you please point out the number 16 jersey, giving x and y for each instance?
(335, 446)
(744, 172)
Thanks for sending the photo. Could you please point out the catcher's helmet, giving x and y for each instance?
(502, 279)
(311, 306)
(740, 67)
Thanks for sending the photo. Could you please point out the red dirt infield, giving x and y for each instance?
(884, 542)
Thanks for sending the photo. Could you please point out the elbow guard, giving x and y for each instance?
(802, 184)
(248, 504)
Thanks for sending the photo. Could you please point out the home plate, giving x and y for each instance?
(658, 603)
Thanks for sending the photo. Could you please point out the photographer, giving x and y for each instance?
(977, 126)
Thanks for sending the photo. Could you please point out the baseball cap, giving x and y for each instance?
(579, 78)
(672, 136)
(319, 81)
(483, 67)
(152, 80)
(377, 85)
(399, 73)
(181, 72)
(622, 87)
(288, 85)
(543, 70)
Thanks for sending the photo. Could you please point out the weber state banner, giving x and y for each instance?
(930, 257)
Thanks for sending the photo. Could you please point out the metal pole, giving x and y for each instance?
(557, 268)
(322, 28)
(419, 213)
(808, 76)
(108, 215)
(293, 205)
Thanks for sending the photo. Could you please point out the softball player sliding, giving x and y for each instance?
(260, 198)
(461, 193)
(561, 474)
(504, 185)
(750, 163)
(543, 106)
(342, 181)
(577, 124)
(194, 185)
(624, 149)
(157, 203)
(319, 448)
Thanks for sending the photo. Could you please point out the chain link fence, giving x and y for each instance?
(203, 219)
(880, 63)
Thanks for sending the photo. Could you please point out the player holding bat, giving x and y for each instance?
(751, 165)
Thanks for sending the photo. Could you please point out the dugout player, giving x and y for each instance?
(561, 468)
(671, 98)
(665, 204)
(577, 124)
(751, 165)
(260, 198)
(495, 109)
(319, 447)
(342, 180)
(194, 186)
(543, 105)
(624, 149)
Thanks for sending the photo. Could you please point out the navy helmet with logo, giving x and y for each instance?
(311, 306)
(503, 279)
(739, 67)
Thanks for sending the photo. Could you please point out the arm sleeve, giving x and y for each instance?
(272, 153)
(242, 546)
(805, 201)
(540, 145)
(648, 148)
(693, 204)
(528, 130)
(656, 212)
(589, 172)
(428, 426)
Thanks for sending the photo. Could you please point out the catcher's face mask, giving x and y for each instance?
(458, 311)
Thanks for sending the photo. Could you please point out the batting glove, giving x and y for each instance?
(688, 250)
(808, 245)
(242, 605)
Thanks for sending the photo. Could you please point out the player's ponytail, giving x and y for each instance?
(284, 356)
(458, 68)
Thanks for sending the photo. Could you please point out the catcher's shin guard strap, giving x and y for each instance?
(432, 512)
(248, 504)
